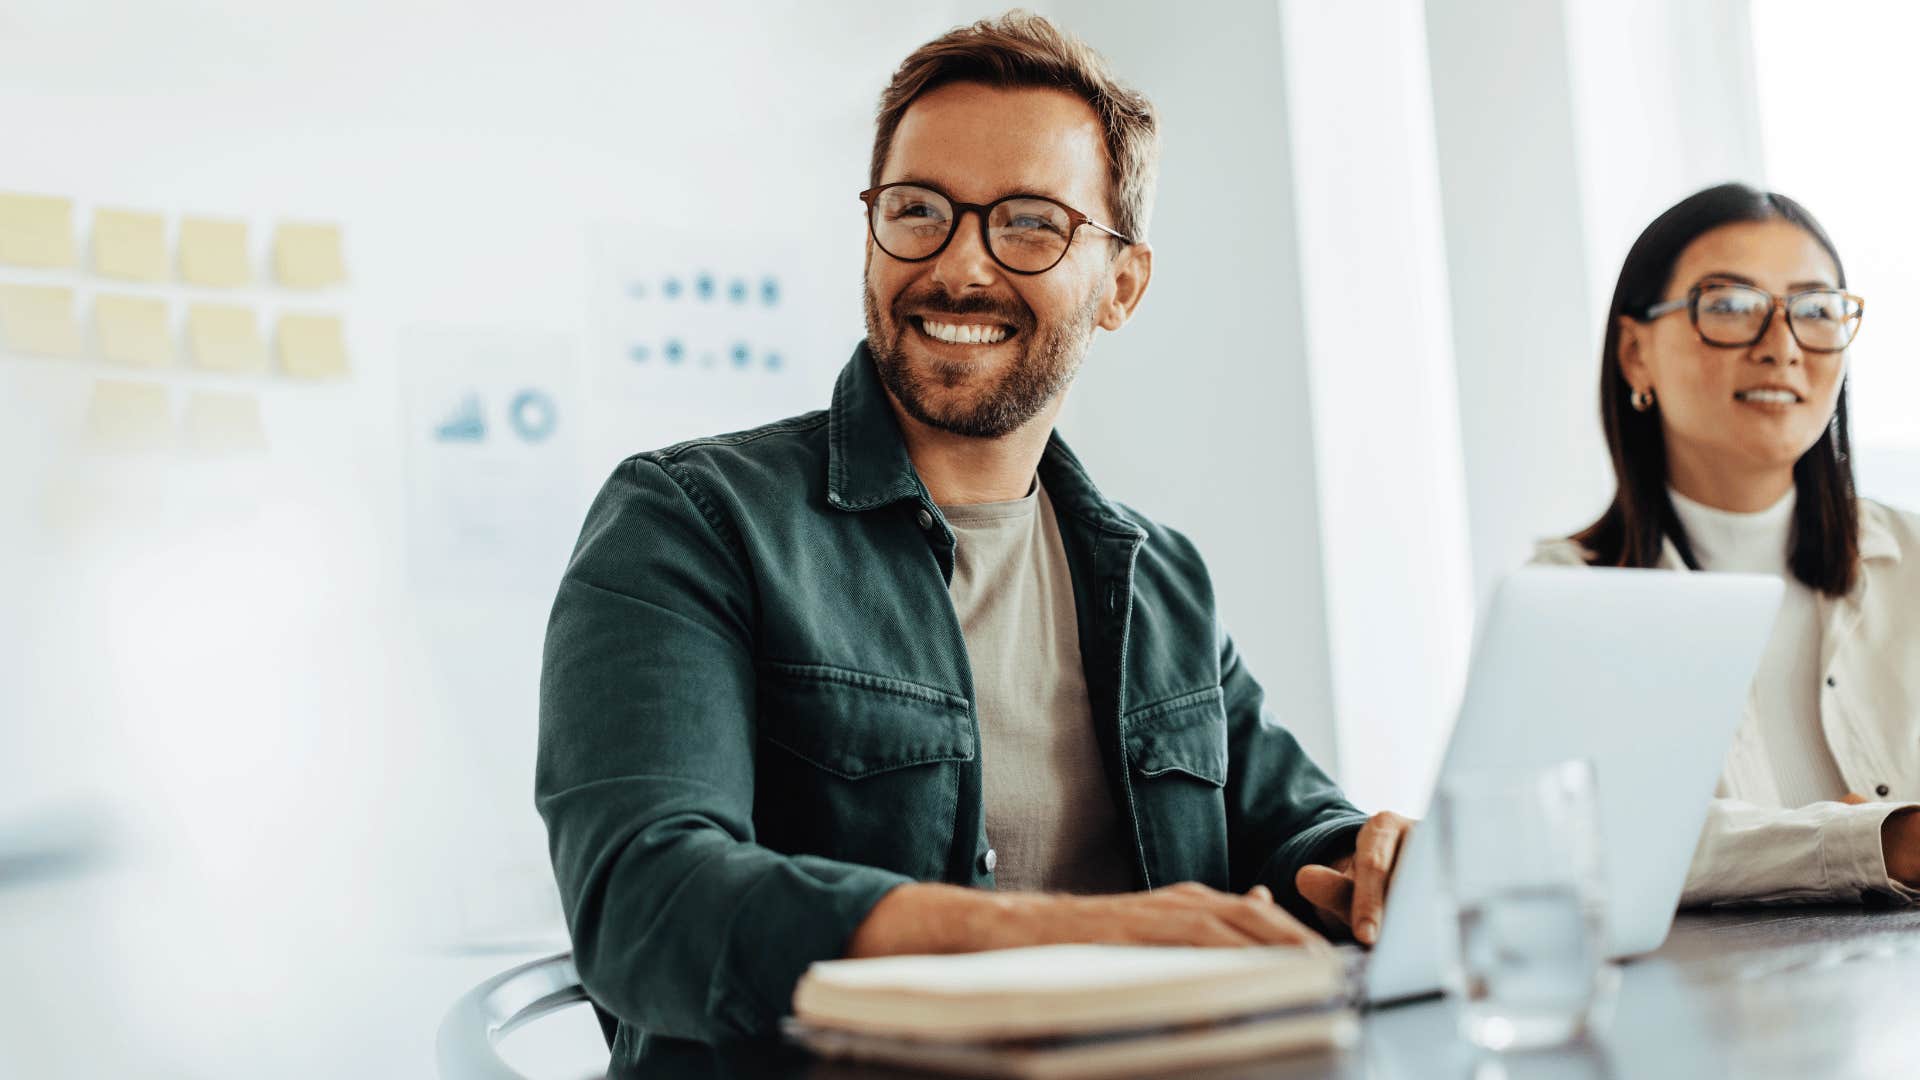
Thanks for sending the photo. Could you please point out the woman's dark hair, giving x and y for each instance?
(1826, 529)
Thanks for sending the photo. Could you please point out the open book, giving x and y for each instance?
(1070, 1011)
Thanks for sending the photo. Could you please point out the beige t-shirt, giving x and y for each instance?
(1050, 820)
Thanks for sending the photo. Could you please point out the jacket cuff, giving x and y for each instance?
(1323, 841)
(804, 911)
(1856, 856)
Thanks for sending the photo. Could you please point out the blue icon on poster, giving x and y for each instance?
(534, 415)
(741, 354)
(464, 423)
(737, 290)
(672, 288)
(640, 354)
(675, 351)
(769, 291)
(703, 285)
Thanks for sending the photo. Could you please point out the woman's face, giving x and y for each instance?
(1740, 411)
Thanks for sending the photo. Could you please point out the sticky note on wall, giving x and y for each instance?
(308, 256)
(312, 346)
(222, 423)
(225, 337)
(133, 330)
(214, 252)
(130, 245)
(38, 320)
(36, 230)
(129, 416)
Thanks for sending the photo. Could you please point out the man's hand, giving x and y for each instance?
(935, 918)
(1353, 891)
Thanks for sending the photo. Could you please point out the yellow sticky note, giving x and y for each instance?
(312, 346)
(38, 319)
(222, 423)
(214, 252)
(131, 245)
(129, 416)
(133, 330)
(36, 230)
(308, 256)
(225, 338)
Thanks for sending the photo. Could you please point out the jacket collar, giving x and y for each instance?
(867, 462)
(868, 466)
(1876, 540)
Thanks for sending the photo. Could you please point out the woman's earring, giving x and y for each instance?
(1642, 400)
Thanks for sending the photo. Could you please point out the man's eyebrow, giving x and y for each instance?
(1036, 190)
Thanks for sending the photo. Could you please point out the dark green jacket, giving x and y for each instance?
(756, 714)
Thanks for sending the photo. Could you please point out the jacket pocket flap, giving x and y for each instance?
(1187, 734)
(853, 724)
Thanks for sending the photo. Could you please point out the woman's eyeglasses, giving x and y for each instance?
(1734, 316)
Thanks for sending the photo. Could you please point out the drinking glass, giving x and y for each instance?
(1522, 874)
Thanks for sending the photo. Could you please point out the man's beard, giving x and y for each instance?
(1049, 358)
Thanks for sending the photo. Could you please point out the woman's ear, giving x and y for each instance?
(1633, 362)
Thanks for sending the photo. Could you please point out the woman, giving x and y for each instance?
(1723, 391)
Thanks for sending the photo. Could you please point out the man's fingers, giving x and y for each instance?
(1328, 890)
(1375, 851)
(1266, 922)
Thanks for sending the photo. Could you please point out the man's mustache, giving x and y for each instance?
(942, 303)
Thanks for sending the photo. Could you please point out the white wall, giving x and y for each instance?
(227, 656)
(1198, 412)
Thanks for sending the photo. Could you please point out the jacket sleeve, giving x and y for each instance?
(1825, 852)
(681, 924)
(1282, 811)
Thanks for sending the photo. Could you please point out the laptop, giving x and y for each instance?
(1645, 673)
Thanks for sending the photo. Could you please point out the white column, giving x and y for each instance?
(1391, 484)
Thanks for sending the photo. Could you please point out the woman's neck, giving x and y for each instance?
(1735, 490)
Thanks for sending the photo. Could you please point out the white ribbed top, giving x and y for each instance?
(1786, 690)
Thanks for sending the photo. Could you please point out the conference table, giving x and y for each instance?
(1830, 992)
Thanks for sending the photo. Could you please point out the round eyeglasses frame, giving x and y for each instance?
(871, 197)
(1691, 302)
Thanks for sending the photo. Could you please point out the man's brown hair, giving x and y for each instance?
(1021, 49)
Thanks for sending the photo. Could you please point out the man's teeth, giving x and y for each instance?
(1775, 397)
(964, 334)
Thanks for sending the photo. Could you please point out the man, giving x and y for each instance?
(895, 677)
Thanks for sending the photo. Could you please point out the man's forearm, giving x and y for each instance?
(922, 918)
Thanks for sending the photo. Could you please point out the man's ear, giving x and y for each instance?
(1633, 364)
(1131, 272)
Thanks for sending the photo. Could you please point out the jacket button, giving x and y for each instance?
(926, 519)
(1881, 790)
(990, 860)
(1830, 681)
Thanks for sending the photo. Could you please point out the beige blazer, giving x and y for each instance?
(1755, 849)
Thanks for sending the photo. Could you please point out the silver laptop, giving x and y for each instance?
(1642, 672)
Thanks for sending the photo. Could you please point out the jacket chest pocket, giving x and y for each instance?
(1177, 751)
(859, 768)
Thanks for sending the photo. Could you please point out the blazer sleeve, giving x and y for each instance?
(1825, 852)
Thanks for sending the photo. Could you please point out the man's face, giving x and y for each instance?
(976, 144)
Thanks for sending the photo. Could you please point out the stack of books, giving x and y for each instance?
(1075, 1012)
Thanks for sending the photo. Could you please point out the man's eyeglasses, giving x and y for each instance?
(1734, 316)
(1026, 234)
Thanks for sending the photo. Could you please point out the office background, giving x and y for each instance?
(270, 642)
